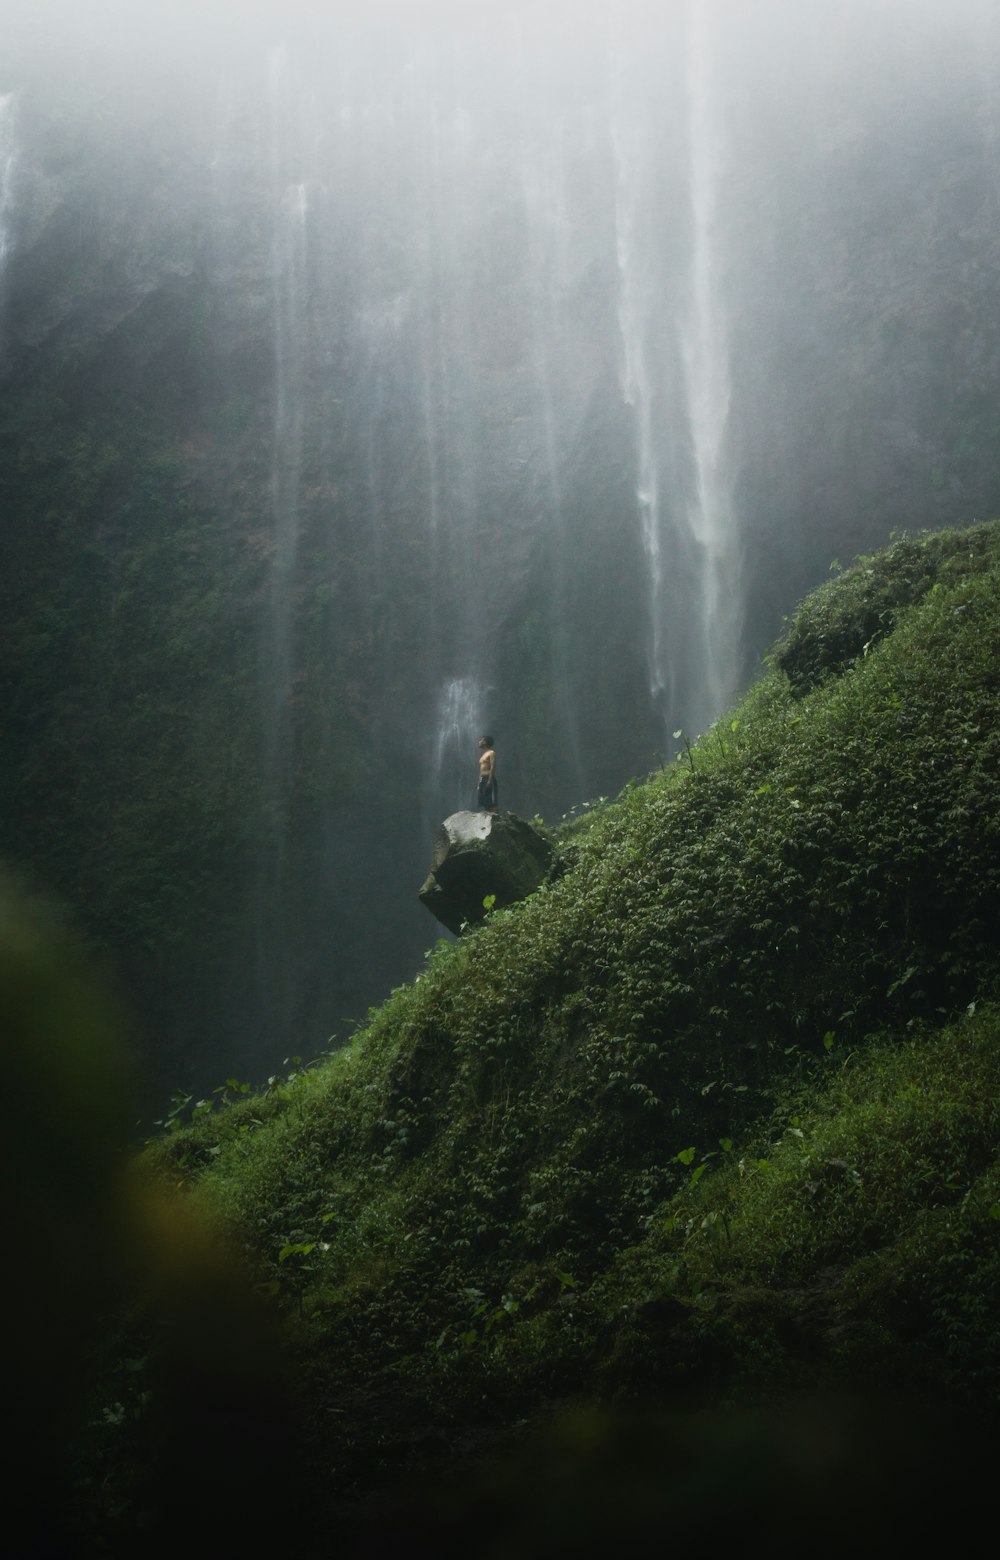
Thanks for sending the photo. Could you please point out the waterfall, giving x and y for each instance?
(290, 208)
(289, 419)
(710, 511)
(644, 354)
(455, 744)
(674, 370)
(548, 284)
(8, 169)
(288, 260)
(8, 158)
(638, 390)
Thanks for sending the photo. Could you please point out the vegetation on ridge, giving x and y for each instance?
(714, 1113)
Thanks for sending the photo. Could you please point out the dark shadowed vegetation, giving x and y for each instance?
(710, 1120)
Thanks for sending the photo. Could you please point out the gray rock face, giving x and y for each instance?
(479, 854)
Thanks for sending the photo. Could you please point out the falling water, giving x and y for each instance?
(288, 270)
(674, 369)
(434, 371)
(710, 512)
(288, 257)
(8, 166)
(549, 242)
(455, 753)
(636, 371)
(289, 415)
(647, 325)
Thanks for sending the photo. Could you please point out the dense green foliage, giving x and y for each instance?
(713, 1112)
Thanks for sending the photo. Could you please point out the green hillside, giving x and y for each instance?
(713, 1117)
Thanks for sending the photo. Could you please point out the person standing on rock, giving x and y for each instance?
(487, 792)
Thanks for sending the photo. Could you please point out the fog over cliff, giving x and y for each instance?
(374, 377)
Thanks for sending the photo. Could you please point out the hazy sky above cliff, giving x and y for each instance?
(778, 45)
(196, 25)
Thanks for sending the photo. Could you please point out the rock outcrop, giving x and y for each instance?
(479, 855)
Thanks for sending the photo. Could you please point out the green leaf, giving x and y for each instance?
(300, 1250)
(907, 975)
(686, 1155)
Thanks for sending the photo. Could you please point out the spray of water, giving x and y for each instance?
(8, 168)
(290, 210)
(675, 376)
(710, 513)
(637, 375)
(547, 284)
(459, 708)
(288, 259)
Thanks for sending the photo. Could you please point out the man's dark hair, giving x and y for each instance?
(487, 740)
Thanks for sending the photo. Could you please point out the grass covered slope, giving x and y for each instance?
(713, 1114)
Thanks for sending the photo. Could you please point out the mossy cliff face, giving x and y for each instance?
(712, 1117)
(336, 364)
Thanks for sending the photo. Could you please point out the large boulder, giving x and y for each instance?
(478, 855)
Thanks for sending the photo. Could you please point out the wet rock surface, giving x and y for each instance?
(479, 855)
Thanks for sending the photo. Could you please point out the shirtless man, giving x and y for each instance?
(487, 792)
